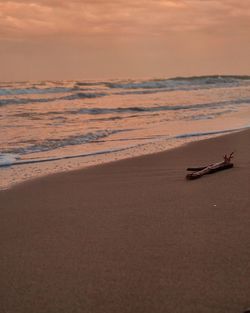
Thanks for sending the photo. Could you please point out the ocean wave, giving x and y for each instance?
(121, 110)
(33, 91)
(13, 101)
(74, 91)
(213, 78)
(19, 88)
(98, 83)
(142, 109)
(74, 96)
(10, 160)
(52, 144)
(207, 116)
(81, 95)
(184, 83)
(7, 159)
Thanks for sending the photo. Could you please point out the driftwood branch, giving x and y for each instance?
(212, 168)
(195, 169)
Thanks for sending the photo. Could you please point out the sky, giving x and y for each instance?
(95, 39)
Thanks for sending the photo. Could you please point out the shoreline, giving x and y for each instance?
(131, 235)
(113, 159)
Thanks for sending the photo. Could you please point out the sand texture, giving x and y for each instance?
(131, 236)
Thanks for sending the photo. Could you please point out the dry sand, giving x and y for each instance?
(131, 236)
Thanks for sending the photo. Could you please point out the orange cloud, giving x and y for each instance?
(114, 17)
(63, 39)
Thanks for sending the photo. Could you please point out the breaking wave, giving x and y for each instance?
(52, 144)
(141, 109)
(182, 83)
(10, 159)
(76, 91)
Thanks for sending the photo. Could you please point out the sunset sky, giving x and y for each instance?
(88, 39)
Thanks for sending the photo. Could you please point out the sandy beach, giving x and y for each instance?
(133, 236)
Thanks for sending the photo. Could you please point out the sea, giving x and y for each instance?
(55, 126)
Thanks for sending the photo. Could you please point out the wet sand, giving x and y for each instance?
(131, 236)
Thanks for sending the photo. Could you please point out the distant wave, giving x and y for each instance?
(180, 82)
(208, 116)
(121, 110)
(33, 91)
(13, 101)
(98, 83)
(79, 95)
(213, 78)
(118, 87)
(141, 109)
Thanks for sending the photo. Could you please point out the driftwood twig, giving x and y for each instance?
(200, 171)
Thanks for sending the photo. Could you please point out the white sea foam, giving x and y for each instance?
(56, 143)
(10, 159)
(7, 159)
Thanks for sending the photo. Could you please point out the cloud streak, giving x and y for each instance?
(31, 18)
